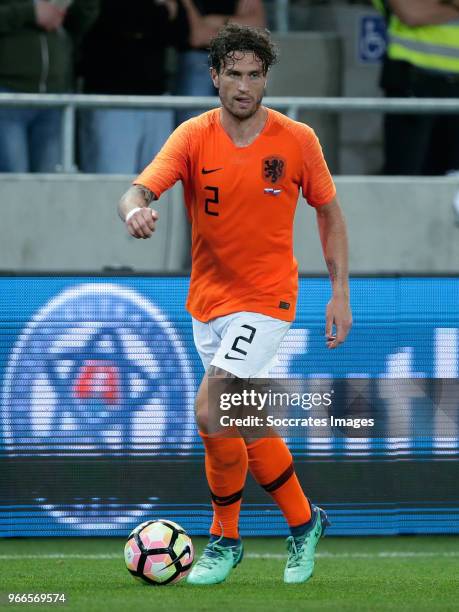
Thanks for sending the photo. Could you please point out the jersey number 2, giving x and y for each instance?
(213, 200)
(235, 346)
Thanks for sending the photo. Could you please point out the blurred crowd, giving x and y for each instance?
(104, 47)
(111, 47)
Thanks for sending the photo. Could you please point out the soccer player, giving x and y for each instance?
(242, 166)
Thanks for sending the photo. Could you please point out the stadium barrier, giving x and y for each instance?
(69, 222)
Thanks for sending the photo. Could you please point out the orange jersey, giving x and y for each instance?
(241, 202)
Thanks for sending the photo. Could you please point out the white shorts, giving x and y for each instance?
(242, 343)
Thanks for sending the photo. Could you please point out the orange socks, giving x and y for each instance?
(226, 471)
(271, 464)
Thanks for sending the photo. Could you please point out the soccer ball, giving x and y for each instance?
(159, 552)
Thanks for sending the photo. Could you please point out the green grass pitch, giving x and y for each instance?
(352, 574)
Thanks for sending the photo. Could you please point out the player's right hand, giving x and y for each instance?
(142, 223)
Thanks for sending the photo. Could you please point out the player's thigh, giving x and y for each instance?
(206, 341)
(249, 344)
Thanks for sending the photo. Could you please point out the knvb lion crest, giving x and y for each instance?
(273, 168)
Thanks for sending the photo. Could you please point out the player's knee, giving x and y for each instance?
(202, 415)
(202, 420)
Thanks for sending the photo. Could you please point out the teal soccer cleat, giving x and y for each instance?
(301, 549)
(215, 563)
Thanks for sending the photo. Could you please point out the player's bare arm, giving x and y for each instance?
(333, 235)
(416, 13)
(133, 208)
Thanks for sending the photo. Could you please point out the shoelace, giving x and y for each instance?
(211, 555)
(295, 548)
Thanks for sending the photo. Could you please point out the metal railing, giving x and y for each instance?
(291, 106)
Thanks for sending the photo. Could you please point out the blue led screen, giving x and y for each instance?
(97, 430)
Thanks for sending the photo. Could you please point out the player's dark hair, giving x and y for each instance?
(234, 38)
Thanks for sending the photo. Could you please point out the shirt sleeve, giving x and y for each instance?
(317, 185)
(171, 163)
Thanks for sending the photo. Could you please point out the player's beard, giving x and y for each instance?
(242, 114)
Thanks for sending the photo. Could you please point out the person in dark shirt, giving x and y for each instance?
(124, 54)
(37, 45)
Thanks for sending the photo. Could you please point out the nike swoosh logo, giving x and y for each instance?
(204, 171)
(185, 551)
(227, 356)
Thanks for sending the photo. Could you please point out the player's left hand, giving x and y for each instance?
(338, 314)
